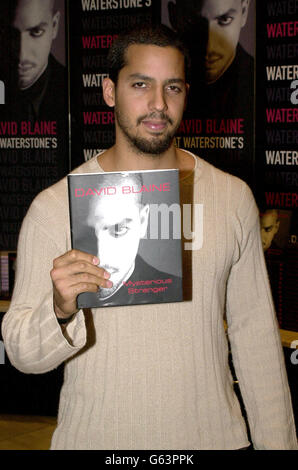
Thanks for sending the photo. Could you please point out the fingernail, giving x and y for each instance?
(95, 260)
(106, 275)
(109, 284)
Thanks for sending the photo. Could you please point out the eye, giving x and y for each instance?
(118, 230)
(225, 20)
(37, 32)
(139, 85)
(174, 89)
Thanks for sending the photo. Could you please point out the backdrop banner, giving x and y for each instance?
(93, 26)
(33, 109)
(218, 123)
(276, 151)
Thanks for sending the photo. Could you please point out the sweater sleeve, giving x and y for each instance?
(32, 336)
(255, 340)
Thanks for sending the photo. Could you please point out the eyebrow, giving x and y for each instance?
(122, 221)
(231, 11)
(140, 76)
(40, 25)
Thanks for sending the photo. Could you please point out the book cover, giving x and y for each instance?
(131, 220)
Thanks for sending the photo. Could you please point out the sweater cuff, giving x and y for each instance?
(75, 331)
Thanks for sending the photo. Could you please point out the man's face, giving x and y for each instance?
(269, 227)
(224, 18)
(150, 98)
(36, 27)
(120, 223)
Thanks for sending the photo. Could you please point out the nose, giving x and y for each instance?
(217, 39)
(23, 48)
(263, 236)
(99, 249)
(212, 38)
(103, 251)
(158, 99)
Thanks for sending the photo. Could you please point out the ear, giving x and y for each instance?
(108, 89)
(56, 19)
(144, 215)
(172, 14)
(245, 7)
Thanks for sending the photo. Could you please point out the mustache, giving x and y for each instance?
(108, 268)
(213, 56)
(25, 63)
(155, 116)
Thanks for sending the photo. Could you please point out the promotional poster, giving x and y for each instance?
(92, 28)
(33, 110)
(132, 221)
(276, 151)
(218, 122)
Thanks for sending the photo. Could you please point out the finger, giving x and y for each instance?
(68, 294)
(88, 278)
(66, 301)
(74, 256)
(66, 270)
(66, 288)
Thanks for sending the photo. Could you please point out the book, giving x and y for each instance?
(4, 275)
(131, 220)
(7, 273)
(12, 259)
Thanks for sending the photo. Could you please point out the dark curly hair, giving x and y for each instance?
(160, 35)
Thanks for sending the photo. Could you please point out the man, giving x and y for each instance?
(222, 80)
(275, 257)
(119, 225)
(36, 79)
(221, 66)
(154, 377)
(269, 227)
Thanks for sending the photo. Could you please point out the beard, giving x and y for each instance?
(157, 145)
(104, 293)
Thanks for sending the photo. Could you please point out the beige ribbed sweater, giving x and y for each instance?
(157, 376)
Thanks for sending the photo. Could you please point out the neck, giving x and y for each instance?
(123, 157)
(112, 160)
(120, 158)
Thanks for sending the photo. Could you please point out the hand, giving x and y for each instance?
(73, 273)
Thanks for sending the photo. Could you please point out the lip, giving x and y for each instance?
(212, 61)
(155, 126)
(25, 69)
(109, 269)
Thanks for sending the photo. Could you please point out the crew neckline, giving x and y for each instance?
(196, 163)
